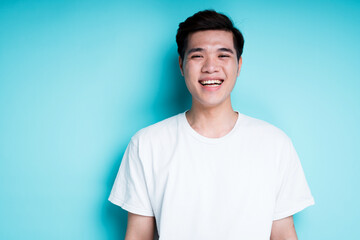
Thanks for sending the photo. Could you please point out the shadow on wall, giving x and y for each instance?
(114, 217)
(172, 98)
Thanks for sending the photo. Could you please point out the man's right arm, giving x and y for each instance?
(140, 227)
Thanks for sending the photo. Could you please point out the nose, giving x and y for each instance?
(210, 65)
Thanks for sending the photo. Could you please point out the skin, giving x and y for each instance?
(209, 55)
(140, 227)
(283, 229)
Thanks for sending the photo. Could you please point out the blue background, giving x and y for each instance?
(79, 78)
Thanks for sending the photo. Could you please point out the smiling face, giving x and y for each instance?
(210, 67)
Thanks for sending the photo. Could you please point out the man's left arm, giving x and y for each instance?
(283, 229)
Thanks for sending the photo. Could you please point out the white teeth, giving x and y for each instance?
(210, 82)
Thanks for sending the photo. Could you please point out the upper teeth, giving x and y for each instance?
(207, 82)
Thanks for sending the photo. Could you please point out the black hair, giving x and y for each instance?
(207, 20)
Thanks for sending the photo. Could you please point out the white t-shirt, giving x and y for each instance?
(196, 187)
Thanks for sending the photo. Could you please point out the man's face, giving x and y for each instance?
(210, 67)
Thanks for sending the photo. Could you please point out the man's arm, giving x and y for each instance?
(283, 229)
(140, 227)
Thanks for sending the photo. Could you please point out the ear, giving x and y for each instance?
(239, 66)
(181, 66)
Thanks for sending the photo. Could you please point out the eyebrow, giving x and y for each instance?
(226, 50)
(192, 50)
(195, 50)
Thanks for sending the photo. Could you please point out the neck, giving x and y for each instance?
(213, 121)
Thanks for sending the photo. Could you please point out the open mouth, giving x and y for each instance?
(211, 82)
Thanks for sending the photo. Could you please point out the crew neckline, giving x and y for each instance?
(202, 138)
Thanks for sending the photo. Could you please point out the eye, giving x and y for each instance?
(224, 56)
(196, 56)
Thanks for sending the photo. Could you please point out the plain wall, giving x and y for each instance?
(79, 78)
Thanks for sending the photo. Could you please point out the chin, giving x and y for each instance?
(211, 103)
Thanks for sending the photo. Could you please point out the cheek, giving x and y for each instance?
(233, 70)
(190, 86)
(190, 71)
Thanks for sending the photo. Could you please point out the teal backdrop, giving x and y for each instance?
(79, 78)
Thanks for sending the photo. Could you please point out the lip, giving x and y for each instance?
(211, 78)
(211, 87)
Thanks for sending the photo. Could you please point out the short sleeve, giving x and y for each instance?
(293, 192)
(129, 190)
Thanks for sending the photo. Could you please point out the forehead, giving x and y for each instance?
(211, 38)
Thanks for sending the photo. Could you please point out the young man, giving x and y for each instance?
(211, 172)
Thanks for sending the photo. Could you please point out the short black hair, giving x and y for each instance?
(207, 20)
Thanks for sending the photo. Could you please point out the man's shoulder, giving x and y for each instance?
(159, 130)
(261, 128)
